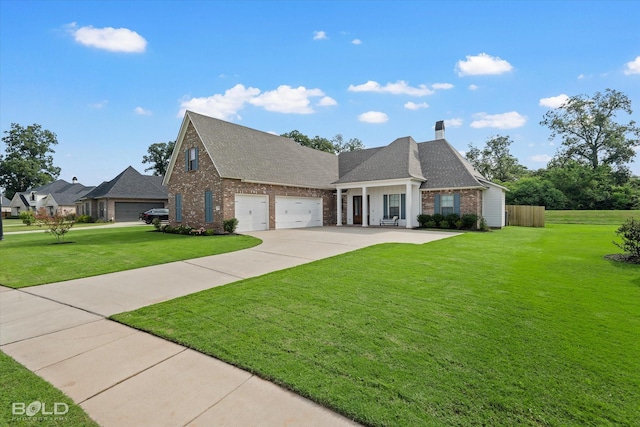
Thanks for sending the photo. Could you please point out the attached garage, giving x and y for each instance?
(252, 212)
(298, 212)
(130, 211)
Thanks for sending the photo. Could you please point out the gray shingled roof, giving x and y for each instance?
(251, 155)
(60, 186)
(400, 159)
(444, 167)
(130, 184)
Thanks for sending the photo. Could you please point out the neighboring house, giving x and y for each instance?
(124, 197)
(6, 208)
(221, 170)
(58, 195)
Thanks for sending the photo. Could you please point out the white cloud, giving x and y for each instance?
(327, 101)
(413, 106)
(220, 106)
(581, 76)
(320, 35)
(444, 86)
(108, 38)
(398, 88)
(482, 64)
(356, 41)
(453, 123)
(286, 99)
(474, 87)
(141, 111)
(99, 105)
(373, 117)
(633, 67)
(508, 120)
(554, 101)
(541, 158)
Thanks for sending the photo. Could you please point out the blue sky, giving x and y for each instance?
(111, 78)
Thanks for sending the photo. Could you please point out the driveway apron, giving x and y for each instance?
(125, 377)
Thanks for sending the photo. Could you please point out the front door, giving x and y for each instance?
(357, 209)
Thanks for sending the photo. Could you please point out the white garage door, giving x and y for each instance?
(298, 212)
(252, 212)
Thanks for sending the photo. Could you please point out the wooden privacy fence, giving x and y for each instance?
(525, 216)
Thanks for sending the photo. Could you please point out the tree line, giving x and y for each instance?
(589, 171)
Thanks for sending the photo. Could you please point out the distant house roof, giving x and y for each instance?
(63, 192)
(60, 187)
(5, 202)
(242, 153)
(129, 184)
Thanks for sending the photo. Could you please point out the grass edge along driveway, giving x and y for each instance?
(521, 326)
(21, 386)
(34, 258)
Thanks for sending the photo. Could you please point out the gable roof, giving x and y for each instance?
(239, 152)
(129, 184)
(445, 167)
(59, 186)
(400, 159)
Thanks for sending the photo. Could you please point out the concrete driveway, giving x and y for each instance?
(123, 377)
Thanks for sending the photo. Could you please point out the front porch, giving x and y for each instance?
(374, 203)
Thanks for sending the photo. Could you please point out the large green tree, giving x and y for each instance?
(494, 161)
(589, 131)
(317, 142)
(159, 155)
(341, 145)
(28, 160)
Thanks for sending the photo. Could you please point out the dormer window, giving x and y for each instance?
(33, 196)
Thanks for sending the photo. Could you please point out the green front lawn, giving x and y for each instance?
(13, 225)
(589, 217)
(34, 258)
(521, 326)
(21, 387)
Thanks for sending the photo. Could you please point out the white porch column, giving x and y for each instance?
(409, 205)
(339, 208)
(365, 208)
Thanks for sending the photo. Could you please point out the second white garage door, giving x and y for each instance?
(252, 212)
(298, 212)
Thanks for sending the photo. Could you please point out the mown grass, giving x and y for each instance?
(19, 385)
(521, 326)
(589, 217)
(34, 258)
(14, 225)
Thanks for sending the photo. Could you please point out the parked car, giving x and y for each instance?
(151, 214)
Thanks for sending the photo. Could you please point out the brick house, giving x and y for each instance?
(124, 197)
(57, 195)
(220, 170)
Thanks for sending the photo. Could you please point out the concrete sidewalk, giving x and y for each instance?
(124, 377)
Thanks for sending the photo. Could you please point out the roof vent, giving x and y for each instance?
(440, 129)
(74, 180)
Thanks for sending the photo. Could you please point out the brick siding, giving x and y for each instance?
(192, 185)
(470, 201)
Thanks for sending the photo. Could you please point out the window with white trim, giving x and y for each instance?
(191, 158)
(394, 206)
(446, 204)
